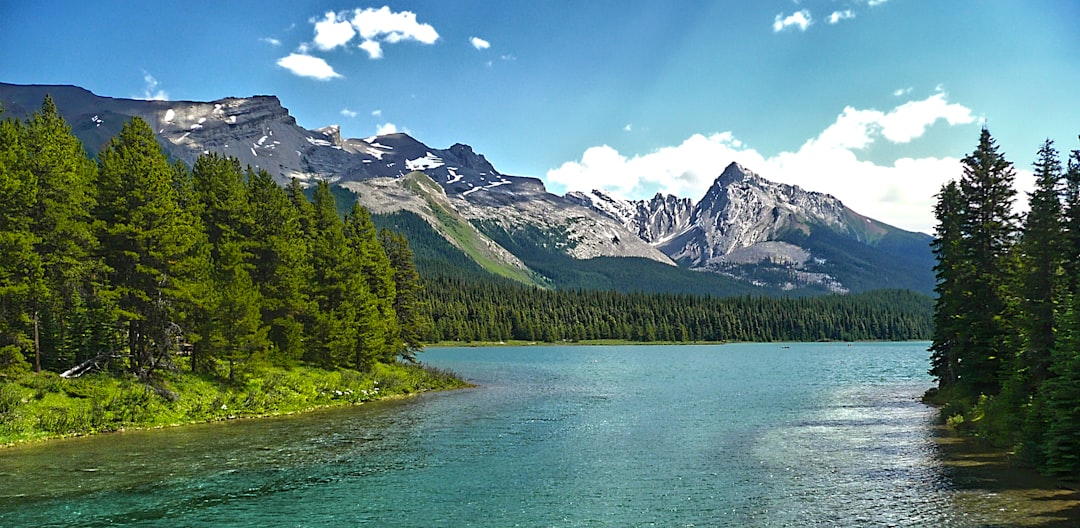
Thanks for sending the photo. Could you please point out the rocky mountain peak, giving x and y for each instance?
(734, 173)
(467, 158)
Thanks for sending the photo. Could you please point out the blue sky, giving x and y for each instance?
(873, 101)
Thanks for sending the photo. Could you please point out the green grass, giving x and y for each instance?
(40, 406)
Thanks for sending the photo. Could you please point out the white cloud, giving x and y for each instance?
(374, 27)
(911, 119)
(899, 92)
(373, 48)
(271, 41)
(628, 128)
(386, 128)
(348, 113)
(333, 31)
(837, 16)
(798, 19)
(376, 112)
(479, 43)
(388, 26)
(151, 89)
(308, 66)
(901, 194)
(873, 3)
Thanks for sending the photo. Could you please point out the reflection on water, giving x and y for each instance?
(735, 435)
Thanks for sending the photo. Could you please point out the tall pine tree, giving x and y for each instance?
(950, 270)
(72, 308)
(1040, 250)
(232, 327)
(413, 322)
(21, 271)
(988, 234)
(149, 242)
(379, 338)
(281, 266)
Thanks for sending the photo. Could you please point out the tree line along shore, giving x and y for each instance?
(1006, 345)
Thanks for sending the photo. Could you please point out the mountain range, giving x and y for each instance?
(745, 235)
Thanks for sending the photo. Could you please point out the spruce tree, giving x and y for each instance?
(338, 289)
(232, 327)
(72, 304)
(1059, 399)
(1041, 245)
(413, 324)
(149, 242)
(380, 335)
(21, 271)
(281, 266)
(988, 233)
(949, 270)
(1070, 250)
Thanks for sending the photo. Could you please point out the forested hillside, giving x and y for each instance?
(1006, 348)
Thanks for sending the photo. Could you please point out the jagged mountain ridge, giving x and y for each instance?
(745, 221)
(772, 235)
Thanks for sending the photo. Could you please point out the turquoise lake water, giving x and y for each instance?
(731, 435)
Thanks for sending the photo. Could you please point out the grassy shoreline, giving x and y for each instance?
(38, 407)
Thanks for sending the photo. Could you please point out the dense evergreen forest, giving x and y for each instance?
(1006, 347)
(464, 310)
(131, 262)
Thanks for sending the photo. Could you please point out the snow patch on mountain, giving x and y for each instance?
(429, 161)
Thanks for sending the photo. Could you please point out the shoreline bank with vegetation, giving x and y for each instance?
(43, 406)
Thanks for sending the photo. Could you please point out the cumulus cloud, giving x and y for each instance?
(386, 128)
(899, 92)
(387, 26)
(479, 43)
(901, 194)
(308, 66)
(374, 27)
(798, 19)
(271, 41)
(837, 16)
(333, 31)
(349, 113)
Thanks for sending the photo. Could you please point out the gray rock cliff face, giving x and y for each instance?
(652, 220)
